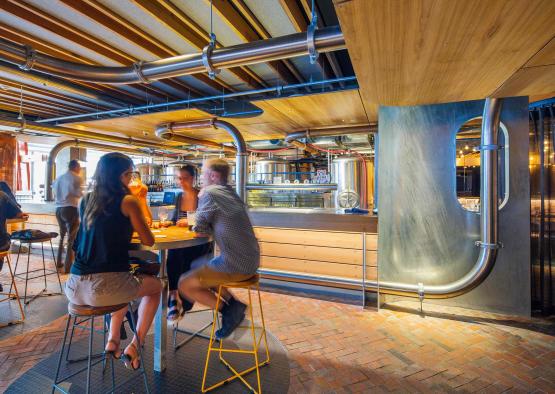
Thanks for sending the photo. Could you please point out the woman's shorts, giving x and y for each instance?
(103, 289)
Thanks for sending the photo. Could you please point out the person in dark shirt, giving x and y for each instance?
(9, 209)
(100, 274)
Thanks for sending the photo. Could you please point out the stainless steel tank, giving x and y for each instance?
(347, 172)
(271, 170)
(150, 173)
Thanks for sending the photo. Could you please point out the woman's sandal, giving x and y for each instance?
(129, 360)
(116, 354)
(175, 311)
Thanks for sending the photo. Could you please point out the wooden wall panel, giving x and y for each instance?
(315, 238)
(315, 253)
(318, 268)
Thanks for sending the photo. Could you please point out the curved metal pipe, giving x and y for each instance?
(167, 131)
(325, 40)
(51, 163)
(489, 205)
(87, 135)
(240, 145)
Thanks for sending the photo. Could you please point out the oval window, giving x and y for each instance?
(467, 142)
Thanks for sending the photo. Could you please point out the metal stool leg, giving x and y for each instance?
(56, 267)
(211, 342)
(27, 274)
(16, 262)
(9, 295)
(55, 385)
(43, 264)
(263, 326)
(254, 343)
(89, 358)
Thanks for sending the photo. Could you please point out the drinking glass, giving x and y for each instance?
(162, 215)
(191, 219)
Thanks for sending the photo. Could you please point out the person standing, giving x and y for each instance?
(68, 189)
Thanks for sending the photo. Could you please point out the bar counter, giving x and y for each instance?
(307, 245)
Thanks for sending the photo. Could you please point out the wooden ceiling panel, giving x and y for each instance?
(326, 109)
(280, 117)
(530, 81)
(544, 57)
(424, 51)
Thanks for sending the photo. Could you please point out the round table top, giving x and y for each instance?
(170, 238)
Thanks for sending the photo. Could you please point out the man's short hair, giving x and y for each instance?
(73, 164)
(220, 166)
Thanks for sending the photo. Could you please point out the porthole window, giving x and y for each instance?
(467, 143)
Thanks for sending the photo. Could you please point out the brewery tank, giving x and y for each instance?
(347, 172)
(267, 170)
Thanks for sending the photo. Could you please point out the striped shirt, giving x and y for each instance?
(221, 213)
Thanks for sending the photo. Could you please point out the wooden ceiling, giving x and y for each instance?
(279, 117)
(121, 32)
(427, 51)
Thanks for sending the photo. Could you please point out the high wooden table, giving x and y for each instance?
(165, 239)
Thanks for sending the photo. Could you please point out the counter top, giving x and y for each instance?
(313, 219)
(39, 208)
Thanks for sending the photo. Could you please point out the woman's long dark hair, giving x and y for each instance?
(107, 186)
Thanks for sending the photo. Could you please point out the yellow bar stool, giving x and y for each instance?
(250, 284)
(11, 295)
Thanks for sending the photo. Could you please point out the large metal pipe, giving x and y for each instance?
(240, 146)
(293, 138)
(168, 131)
(285, 47)
(51, 163)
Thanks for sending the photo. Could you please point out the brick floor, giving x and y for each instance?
(340, 348)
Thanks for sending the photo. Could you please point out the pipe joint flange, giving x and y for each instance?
(311, 43)
(138, 68)
(207, 60)
(30, 57)
(489, 147)
(487, 245)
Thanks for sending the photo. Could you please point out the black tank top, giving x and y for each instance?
(104, 246)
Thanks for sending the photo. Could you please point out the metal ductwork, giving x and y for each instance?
(51, 163)
(209, 60)
(168, 132)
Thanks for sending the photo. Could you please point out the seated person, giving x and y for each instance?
(100, 274)
(9, 209)
(179, 260)
(223, 214)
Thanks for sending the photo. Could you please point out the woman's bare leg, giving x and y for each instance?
(115, 328)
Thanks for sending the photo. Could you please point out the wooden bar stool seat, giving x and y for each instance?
(249, 284)
(9, 295)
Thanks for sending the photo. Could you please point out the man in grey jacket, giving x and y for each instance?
(223, 214)
(68, 189)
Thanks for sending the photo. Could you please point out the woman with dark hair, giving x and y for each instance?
(179, 260)
(100, 274)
